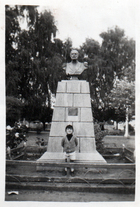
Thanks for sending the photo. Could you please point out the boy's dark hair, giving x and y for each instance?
(69, 127)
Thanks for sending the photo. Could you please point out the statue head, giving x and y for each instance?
(74, 54)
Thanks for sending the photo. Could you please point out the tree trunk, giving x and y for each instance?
(116, 125)
(126, 125)
(44, 126)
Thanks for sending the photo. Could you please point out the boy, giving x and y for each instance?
(69, 143)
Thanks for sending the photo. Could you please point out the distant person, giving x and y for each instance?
(69, 144)
(42, 142)
(9, 153)
(25, 143)
(38, 142)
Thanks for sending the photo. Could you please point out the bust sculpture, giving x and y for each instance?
(74, 68)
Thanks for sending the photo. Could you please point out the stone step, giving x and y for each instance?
(63, 179)
(93, 157)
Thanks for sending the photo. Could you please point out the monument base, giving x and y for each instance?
(73, 106)
(93, 157)
(58, 158)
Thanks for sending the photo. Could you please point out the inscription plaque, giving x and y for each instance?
(73, 111)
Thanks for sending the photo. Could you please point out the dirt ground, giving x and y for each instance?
(32, 137)
(118, 141)
(62, 196)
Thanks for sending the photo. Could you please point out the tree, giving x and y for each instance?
(113, 59)
(13, 30)
(29, 15)
(91, 48)
(45, 115)
(122, 96)
(13, 110)
(36, 59)
(118, 51)
(42, 57)
(99, 74)
(67, 48)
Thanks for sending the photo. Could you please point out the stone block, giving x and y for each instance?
(82, 100)
(51, 156)
(73, 86)
(64, 99)
(86, 114)
(84, 129)
(58, 128)
(54, 144)
(85, 87)
(87, 145)
(78, 146)
(92, 157)
(61, 87)
(58, 114)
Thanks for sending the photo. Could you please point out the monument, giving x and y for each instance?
(73, 106)
(74, 68)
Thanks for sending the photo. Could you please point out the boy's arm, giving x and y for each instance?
(76, 141)
(62, 142)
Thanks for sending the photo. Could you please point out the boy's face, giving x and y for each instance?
(69, 131)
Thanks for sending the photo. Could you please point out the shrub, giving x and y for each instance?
(116, 132)
(14, 136)
(131, 129)
(99, 135)
(13, 110)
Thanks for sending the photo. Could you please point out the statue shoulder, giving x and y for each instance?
(64, 66)
(86, 64)
(83, 65)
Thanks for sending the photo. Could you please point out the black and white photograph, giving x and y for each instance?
(69, 102)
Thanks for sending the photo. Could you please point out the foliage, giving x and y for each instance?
(13, 110)
(99, 135)
(118, 50)
(114, 59)
(66, 49)
(36, 66)
(130, 129)
(122, 96)
(46, 115)
(14, 61)
(116, 132)
(14, 136)
(12, 31)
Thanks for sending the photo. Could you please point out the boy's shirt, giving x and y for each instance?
(69, 145)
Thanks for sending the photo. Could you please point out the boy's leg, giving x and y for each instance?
(66, 157)
(72, 169)
(72, 159)
(65, 170)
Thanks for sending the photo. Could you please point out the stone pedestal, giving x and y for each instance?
(73, 106)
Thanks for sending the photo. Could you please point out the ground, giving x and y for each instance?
(38, 195)
(109, 141)
(28, 195)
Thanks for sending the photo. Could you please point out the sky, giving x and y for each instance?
(81, 19)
